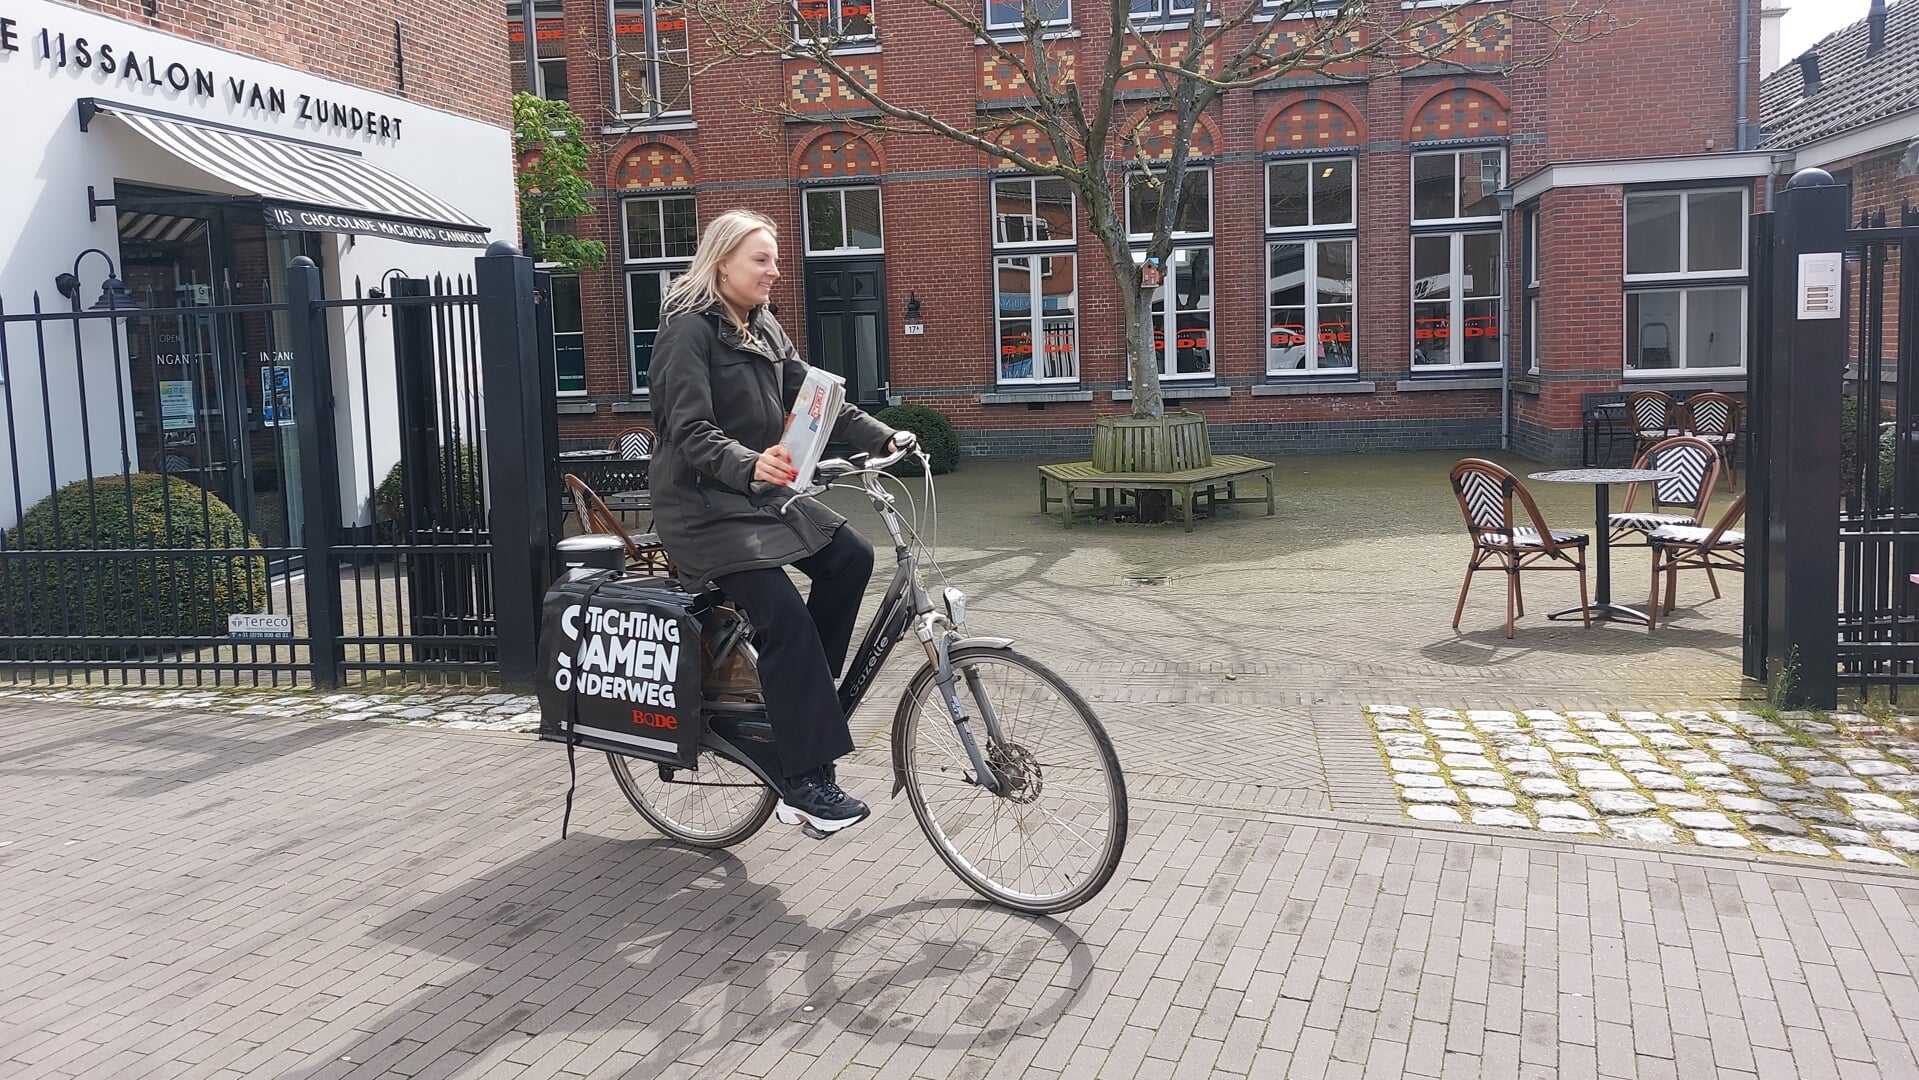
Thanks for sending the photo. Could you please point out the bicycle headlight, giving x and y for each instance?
(955, 606)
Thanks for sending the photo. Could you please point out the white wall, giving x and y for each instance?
(46, 164)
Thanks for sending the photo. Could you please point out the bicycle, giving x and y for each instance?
(1043, 783)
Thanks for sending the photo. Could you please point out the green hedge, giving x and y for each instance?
(389, 499)
(935, 432)
(1849, 427)
(79, 593)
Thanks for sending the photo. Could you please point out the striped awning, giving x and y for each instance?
(303, 187)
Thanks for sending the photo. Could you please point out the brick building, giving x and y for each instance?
(1440, 255)
(192, 148)
(1850, 106)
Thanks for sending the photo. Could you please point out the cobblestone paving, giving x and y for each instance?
(1724, 779)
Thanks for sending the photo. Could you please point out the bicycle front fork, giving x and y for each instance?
(938, 649)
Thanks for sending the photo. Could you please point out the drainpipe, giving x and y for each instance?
(1505, 196)
(1742, 138)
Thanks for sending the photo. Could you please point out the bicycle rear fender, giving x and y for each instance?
(899, 715)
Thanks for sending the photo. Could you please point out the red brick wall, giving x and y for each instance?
(452, 47)
(1592, 102)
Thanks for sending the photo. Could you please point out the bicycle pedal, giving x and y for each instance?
(809, 829)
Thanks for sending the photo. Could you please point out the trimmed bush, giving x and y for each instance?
(935, 432)
(79, 593)
(389, 499)
(1848, 455)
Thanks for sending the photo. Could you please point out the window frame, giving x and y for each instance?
(1456, 304)
(555, 275)
(1310, 368)
(1063, 20)
(1311, 236)
(650, 12)
(1412, 190)
(1166, 13)
(543, 11)
(806, 225)
(1685, 196)
(835, 21)
(1686, 283)
(1312, 181)
(666, 265)
(1529, 289)
(1138, 238)
(1042, 259)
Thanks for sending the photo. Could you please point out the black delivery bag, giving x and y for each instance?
(620, 666)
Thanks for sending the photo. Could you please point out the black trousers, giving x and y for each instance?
(803, 645)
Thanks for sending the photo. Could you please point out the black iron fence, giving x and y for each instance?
(1879, 508)
(258, 486)
(1833, 519)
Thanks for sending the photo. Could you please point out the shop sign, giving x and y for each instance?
(131, 66)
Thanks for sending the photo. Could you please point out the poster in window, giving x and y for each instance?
(176, 405)
(276, 392)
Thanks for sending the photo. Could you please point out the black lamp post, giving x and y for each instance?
(113, 291)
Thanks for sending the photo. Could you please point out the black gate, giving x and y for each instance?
(212, 484)
(1831, 599)
(1879, 511)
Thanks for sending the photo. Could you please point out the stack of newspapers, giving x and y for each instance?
(810, 423)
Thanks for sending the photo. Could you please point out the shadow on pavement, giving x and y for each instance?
(678, 955)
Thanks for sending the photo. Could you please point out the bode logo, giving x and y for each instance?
(663, 721)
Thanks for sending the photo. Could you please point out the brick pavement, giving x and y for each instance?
(193, 896)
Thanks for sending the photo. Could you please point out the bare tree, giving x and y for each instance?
(1098, 121)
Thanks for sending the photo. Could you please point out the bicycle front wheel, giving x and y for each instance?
(1051, 838)
(716, 805)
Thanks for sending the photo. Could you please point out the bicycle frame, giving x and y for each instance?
(906, 608)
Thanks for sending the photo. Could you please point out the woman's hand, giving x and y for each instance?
(775, 465)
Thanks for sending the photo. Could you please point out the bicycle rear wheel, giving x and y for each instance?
(1052, 837)
(716, 805)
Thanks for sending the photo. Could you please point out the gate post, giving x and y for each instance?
(518, 457)
(313, 383)
(1804, 387)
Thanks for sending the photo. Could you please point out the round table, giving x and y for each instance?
(1602, 480)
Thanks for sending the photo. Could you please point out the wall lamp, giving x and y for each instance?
(113, 291)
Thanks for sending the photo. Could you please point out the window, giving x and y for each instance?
(549, 42)
(1011, 14)
(1186, 286)
(1036, 280)
(661, 234)
(1686, 281)
(1160, 11)
(1531, 275)
(1458, 185)
(1317, 9)
(1457, 273)
(1309, 276)
(833, 20)
(1195, 217)
(652, 72)
(842, 220)
(1456, 286)
(569, 336)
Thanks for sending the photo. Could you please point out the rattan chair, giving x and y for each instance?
(1696, 463)
(643, 552)
(633, 444)
(1694, 547)
(1653, 419)
(1486, 492)
(1715, 417)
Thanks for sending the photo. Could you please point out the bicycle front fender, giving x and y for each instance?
(926, 672)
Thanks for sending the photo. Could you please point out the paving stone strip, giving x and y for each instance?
(1846, 790)
(444, 709)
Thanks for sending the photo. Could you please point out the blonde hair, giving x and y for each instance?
(699, 288)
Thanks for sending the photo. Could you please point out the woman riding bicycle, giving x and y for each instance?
(722, 379)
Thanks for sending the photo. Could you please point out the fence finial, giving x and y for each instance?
(1810, 178)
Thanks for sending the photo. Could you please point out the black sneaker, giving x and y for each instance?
(814, 800)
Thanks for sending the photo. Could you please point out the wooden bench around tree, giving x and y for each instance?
(1106, 489)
